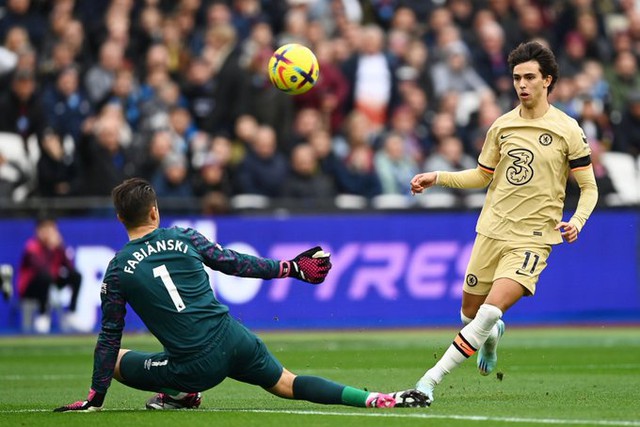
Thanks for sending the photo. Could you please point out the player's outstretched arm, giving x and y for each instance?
(93, 403)
(310, 266)
(422, 181)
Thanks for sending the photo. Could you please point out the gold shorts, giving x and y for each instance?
(494, 259)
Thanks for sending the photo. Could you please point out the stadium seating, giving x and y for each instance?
(624, 175)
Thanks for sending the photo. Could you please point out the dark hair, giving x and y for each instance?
(534, 51)
(132, 200)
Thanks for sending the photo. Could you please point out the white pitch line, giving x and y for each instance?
(388, 414)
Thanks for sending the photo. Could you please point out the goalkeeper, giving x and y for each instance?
(160, 274)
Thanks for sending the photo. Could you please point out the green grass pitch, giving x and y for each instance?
(562, 377)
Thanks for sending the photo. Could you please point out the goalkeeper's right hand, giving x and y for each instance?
(93, 403)
(310, 266)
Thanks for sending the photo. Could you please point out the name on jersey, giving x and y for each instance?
(154, 248)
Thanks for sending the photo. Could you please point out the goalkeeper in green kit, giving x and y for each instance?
(160, 274)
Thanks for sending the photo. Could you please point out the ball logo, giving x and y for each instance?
(471, 280)
(293, 68)
(545, 139)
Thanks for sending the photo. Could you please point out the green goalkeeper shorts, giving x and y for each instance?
(237, 354)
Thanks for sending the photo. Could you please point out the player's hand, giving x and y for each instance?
(310, 266)
(568, 231)
(422, 181)
(93, 403)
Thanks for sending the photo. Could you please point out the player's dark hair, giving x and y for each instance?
(132, 200)
(534, 51)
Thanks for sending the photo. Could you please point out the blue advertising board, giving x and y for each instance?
(389, 270)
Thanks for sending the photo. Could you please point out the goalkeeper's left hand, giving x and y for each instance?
(310, 266)
(93, 403)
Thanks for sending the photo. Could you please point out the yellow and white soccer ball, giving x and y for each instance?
(293, 69)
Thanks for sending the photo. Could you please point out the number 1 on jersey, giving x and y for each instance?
(162, 272)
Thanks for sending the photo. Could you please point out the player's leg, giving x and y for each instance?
(253, 363)
(73, 279)
(485, 258)
(38, 290)
(149, 372)
(487, 355)
(472, 336)
(324, 391)
(522, 264)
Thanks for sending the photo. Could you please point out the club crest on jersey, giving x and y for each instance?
(471, 280)
(545, 139)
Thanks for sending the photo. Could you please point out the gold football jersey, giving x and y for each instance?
(530, 160)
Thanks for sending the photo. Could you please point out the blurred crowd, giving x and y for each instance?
(178, 92)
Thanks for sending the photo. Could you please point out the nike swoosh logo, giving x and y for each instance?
(503, 137)
(521, 273)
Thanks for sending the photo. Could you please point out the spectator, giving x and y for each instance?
(307, 182)
(573, 57)
(627, 132)
(74, 36)
(20, 108)
(147, 30)
(357, 131)
(45, 262)
(264, 169)
(176, 46)
(59, 18)
(56, 166)
(565, 97)
(623, 78)
(329, 96)
(359, 176)
(371, 72)
(125, 92)
(263, 101)
(100, 77)
(404, 124)
(67, 105)
(199, 90)
(223, 55)
(307, 121)
(443, 126)
(455, 74)
(591, 29)
(16, 41)
(531, 23)
(213, 177)
(213, 167)
(172, 180)
(103, 160)
(149, 155)
(414, 71)
(328, 162)
(490, 59)
(17, 14)
(450, 156)
(394, 166)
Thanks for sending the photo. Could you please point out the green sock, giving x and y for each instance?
(354, 397)
(318, 390)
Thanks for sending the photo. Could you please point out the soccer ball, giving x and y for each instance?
(293, 69)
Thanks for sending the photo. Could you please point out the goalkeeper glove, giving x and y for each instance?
(93, 403)
(310, 266)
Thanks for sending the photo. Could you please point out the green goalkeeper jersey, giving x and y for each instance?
(162, 277)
